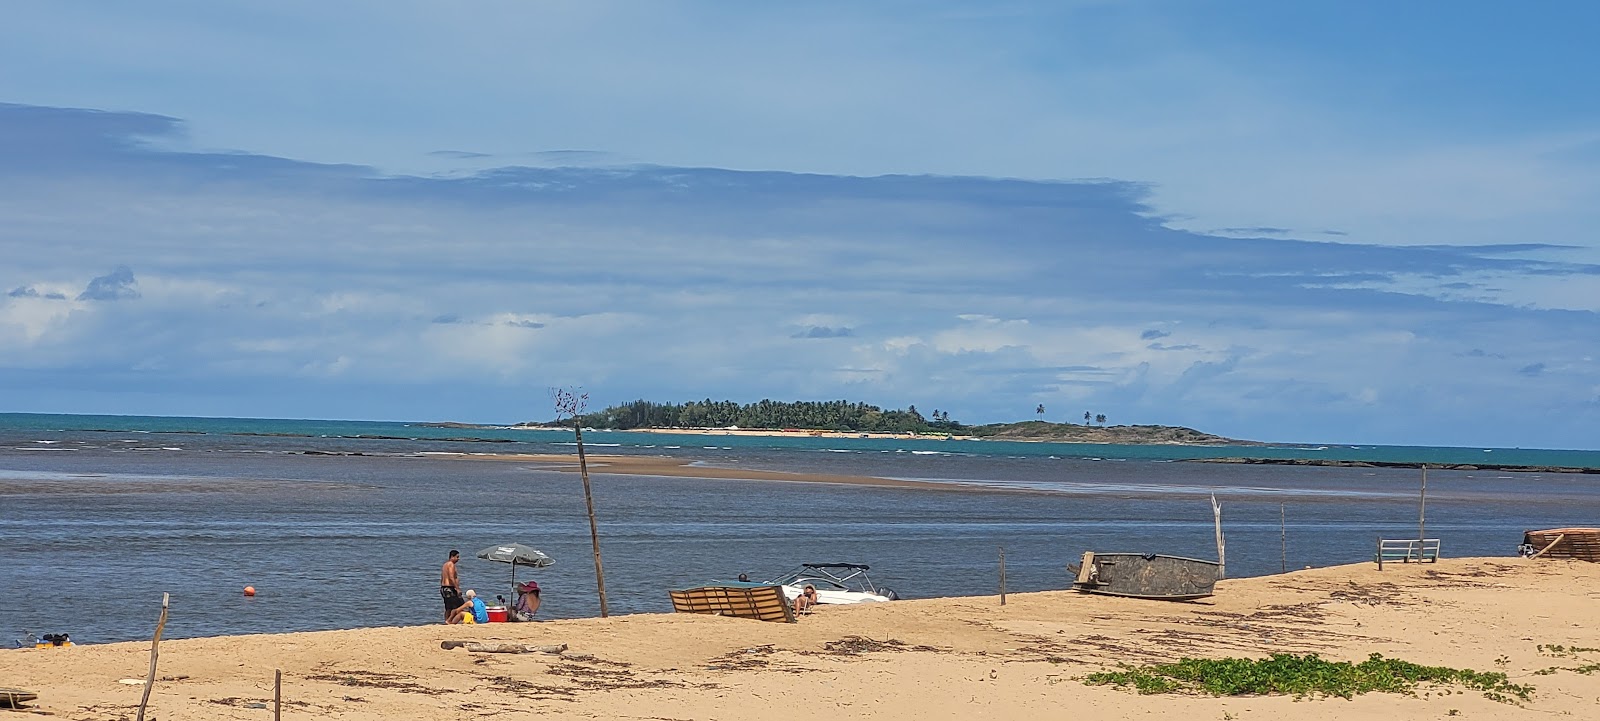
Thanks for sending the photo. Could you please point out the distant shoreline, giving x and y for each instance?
(1510, 468)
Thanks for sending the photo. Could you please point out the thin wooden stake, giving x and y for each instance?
(155, 651)
(1222, 547)
(1283, 539)
(1422, 509)
(1002, 575)
(277, 695)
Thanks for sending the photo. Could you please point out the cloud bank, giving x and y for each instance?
(154, 281)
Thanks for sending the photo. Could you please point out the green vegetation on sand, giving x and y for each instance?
(1302, 677)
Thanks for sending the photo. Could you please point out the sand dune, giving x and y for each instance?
(941, 658)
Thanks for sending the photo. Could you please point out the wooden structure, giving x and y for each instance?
(1407, 550)
(1580, 543)
(14, 698)
(760, 601)
(1146, 575)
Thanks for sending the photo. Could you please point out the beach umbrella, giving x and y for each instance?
(516, 554)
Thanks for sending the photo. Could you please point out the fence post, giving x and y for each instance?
(1002, 575)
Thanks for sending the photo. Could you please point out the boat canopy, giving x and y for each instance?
(855, 566)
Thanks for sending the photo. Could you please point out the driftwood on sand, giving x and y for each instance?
(495, 647)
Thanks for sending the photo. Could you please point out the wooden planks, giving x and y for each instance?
(757, 601)
(1580, 543)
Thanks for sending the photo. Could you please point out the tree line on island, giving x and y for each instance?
(856, 417)
(843, 416)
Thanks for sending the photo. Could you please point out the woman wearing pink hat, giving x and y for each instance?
(527, 601)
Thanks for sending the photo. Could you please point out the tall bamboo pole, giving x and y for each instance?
(594, 531)
(155, 651)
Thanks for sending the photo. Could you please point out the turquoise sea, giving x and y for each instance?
(344, 523)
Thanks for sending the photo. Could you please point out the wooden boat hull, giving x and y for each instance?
(1147, 575)
(14, 698)
(759, 601)
(1580, 543)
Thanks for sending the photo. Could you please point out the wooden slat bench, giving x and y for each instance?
(1407, 550)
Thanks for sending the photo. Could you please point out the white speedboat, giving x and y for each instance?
(835, 583)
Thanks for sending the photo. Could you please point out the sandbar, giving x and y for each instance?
(687, 468)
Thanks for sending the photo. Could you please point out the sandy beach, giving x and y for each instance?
(938, 658)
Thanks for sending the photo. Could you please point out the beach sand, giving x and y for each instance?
(955, 658)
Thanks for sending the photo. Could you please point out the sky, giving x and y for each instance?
(1300, 222)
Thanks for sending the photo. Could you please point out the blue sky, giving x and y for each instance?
(1318, 222)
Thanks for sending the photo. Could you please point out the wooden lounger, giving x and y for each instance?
(760, 601)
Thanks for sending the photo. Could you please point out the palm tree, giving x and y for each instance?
(1040, 411)
(1100, 418)
(1086, 416)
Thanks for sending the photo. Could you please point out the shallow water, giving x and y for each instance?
(117, 511)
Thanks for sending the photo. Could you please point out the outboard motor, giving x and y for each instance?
(888, 593)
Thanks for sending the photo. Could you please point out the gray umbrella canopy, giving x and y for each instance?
(516, 554)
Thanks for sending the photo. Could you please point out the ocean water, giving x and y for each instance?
(341, 524)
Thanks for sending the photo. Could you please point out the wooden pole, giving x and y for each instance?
(1283, 540)
(155, 651)
(1002, 575)
(277, 695)
(1380, 553)
(588, 500)
(1422, 507)
(1546, 548)
(1222, 548)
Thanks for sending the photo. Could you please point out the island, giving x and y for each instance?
(857, 419)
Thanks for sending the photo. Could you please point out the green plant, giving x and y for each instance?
(1556, 649)
(1302, 676)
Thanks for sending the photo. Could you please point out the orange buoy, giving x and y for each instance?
(249, 590)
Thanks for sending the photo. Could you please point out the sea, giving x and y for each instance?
(344, 524)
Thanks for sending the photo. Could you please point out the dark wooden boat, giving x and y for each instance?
(14, 698)
(1580, 543)
(1146, 575)
(760, 601)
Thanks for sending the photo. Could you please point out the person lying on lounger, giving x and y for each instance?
(806, 599)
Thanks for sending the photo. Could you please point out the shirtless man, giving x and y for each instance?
(450, 589)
